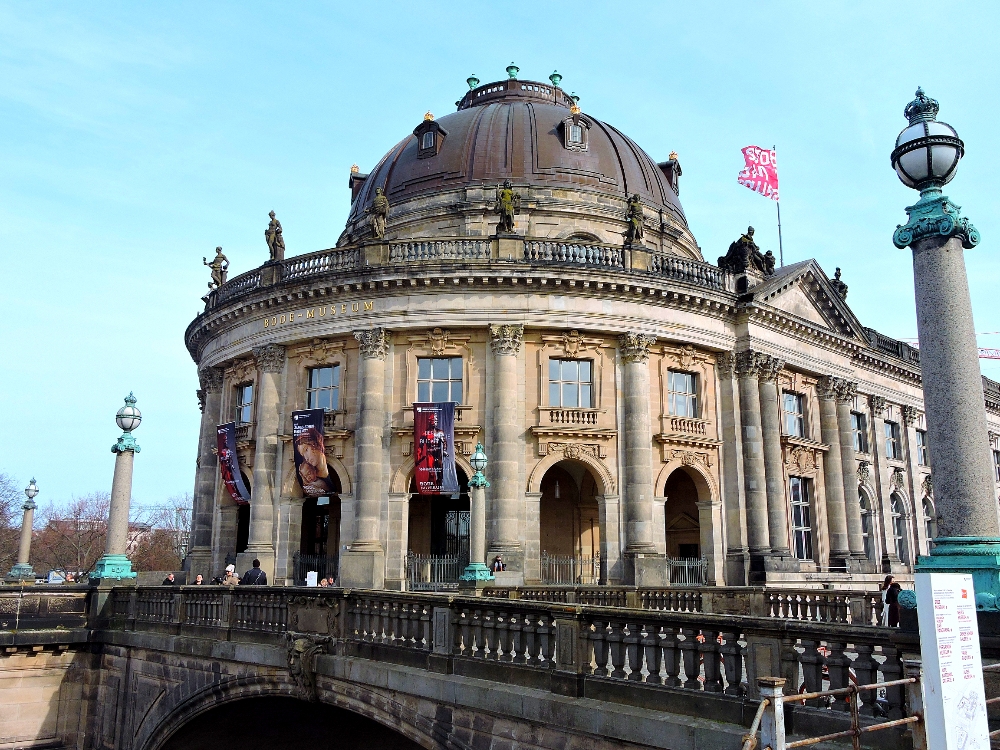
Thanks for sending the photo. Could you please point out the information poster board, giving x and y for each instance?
(954, 696)
(434, 448)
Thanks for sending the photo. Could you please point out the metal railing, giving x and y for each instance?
(433, 572)
(324, 565)
(563, 569)
(687, 571)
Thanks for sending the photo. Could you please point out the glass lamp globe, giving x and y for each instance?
(128, 417)
(31, 490)
(927, 151)
(478, 459)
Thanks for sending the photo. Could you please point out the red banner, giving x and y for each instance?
(761, 171)
(229, 464)
(434, 448)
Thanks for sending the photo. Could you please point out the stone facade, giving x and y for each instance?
(758, 470)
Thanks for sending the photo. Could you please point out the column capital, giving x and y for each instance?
(910, 413)
(846, 390)
(934, 215)
(826, 388)
(506, 338)
(757, 364)
(373, 342)
(725, 363)
(270, 357)
(635, 346)
(770, 368)
(877, 404)
(210, 379)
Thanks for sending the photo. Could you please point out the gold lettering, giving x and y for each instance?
(355, 307)
(343, 308)
(274, 321)
(310, 313)
(368, 305)
(266, 321)
(282, 319)
(322, 311)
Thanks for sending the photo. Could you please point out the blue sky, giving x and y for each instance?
(135, 137)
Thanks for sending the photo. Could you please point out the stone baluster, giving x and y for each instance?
(864, 667)
(270, 360)
(833, 473)
(846, 392)
(506, 448)
(747, 367)
(599, 636)
(646, 568)
(653, 654)
(671, 658)
(362, 565)
(710, 652)
(689, 650)
(634, 653)
(812, 668)
(838, 665)
(732, 661)
(770, 422)
(617, 649)
(210, 400)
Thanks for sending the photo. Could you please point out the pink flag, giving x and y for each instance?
(761, 171)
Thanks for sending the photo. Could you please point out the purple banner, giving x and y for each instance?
(434, 448)
(229, 464)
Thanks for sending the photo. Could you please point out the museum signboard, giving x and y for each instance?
(310, 453)
(434, 448)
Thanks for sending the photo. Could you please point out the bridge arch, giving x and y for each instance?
(359, 700)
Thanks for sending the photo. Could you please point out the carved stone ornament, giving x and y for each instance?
(864, 471)
(506, 339)
(636, 220)
(744, 255)
(301, 652)
(725, 364)
(275, 240)
(826, 388)
(910, 413)
(877, 405)
(270, 357)
(210, 379)
(373, 343)
(508, 205)
(241, 371)
(319, 351)
(770, 368)
(438, 340)
(219, 268)
(802, 460)
(377, 213)
(749, 362)
(635, 346)
(898, 480)
(839, 286)
(847, 390)
(685, 357)
(927, 486)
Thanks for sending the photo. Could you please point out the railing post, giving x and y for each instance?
(915, 704)
(177, 613)
(772, 726)
(572, 656)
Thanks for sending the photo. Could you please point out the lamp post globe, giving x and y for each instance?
(927, 151)
(128, 417)
(31, 490)
(478, 460)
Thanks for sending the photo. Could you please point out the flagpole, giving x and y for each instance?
(781, 249)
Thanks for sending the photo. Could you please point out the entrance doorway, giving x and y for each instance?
(319, 545)
(439, 529)
(682, 530)
(569, 526)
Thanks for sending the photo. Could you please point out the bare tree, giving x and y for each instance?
(72, 537)
(161, 533)
(9, 520)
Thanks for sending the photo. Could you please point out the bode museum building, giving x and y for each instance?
(651, 416)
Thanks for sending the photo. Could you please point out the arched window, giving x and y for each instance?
(866, 524)
(930, 522)
(896, 511)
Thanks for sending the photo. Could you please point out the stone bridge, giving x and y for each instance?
(166, 667)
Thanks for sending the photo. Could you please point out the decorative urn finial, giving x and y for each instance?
(428, 116)
(555, 78)
(512, 70)
(472, 81)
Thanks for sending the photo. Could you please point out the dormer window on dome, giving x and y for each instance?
(430, 136)
(575, 130)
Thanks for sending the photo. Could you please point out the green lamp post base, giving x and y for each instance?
(21, 572)
(476, 572)
(113, 566)
(976, 555)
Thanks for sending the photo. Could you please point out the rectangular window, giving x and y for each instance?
(570, 383)
(801, 518)
(682, 394)
(439, 379)
(244, 403)
(996, 464)
(323, 391)
(893, 449)
(428, 140)
(859, 428)
(575, 134)
(795, 423)
(922, 456)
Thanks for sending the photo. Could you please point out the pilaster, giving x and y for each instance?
(733, 496)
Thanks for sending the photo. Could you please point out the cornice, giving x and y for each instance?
(567, 431)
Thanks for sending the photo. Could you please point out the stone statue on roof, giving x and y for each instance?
(744, 255)
(634, 217)
(219, 267)
(275, 242)
(839, 286)
(377, 213)
(508, 204)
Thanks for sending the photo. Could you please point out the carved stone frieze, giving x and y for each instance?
(270, 357)
(927, 486)
(506, 338)
(373, 343)
(575, 450)
(241, 371)
(801, 460)
(877, 404)
(573, 344)
(910, 413)
(685, 357)
(635, 346)
(689, 457)
(319, 351)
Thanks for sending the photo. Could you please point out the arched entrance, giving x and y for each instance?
(438, 536)
(280, 723)
(569, 525)
(319, 544)
(682, 529)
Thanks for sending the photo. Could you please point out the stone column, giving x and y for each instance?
(477, 524)
(648, 568)
(506, 448)
(22, 570)
(733, 496)
(833, 472)
(747, 366)
(270, 364)
(363, 564)
(846, 391)
(114, 565)
(891, 561)
(770, 425)
(199, 559)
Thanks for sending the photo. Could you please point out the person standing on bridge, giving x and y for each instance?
(169, 580)
(230, 578)
(255, 576)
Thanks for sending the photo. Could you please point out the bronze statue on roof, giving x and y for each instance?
(634, 217)
(219, 267)
(377, 213)
(744, 255)
(507, 203)
(275, 242)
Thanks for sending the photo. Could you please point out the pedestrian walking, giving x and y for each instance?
(255, 576)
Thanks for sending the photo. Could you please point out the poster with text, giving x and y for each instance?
(310, 453)
(954, 695)
(434, 448)
(229, 464)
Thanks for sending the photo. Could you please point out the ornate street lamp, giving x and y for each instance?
(476, 572)
(114, 565)
(22, 570)
(926, 158)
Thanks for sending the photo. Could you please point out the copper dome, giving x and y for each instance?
(514, 130)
